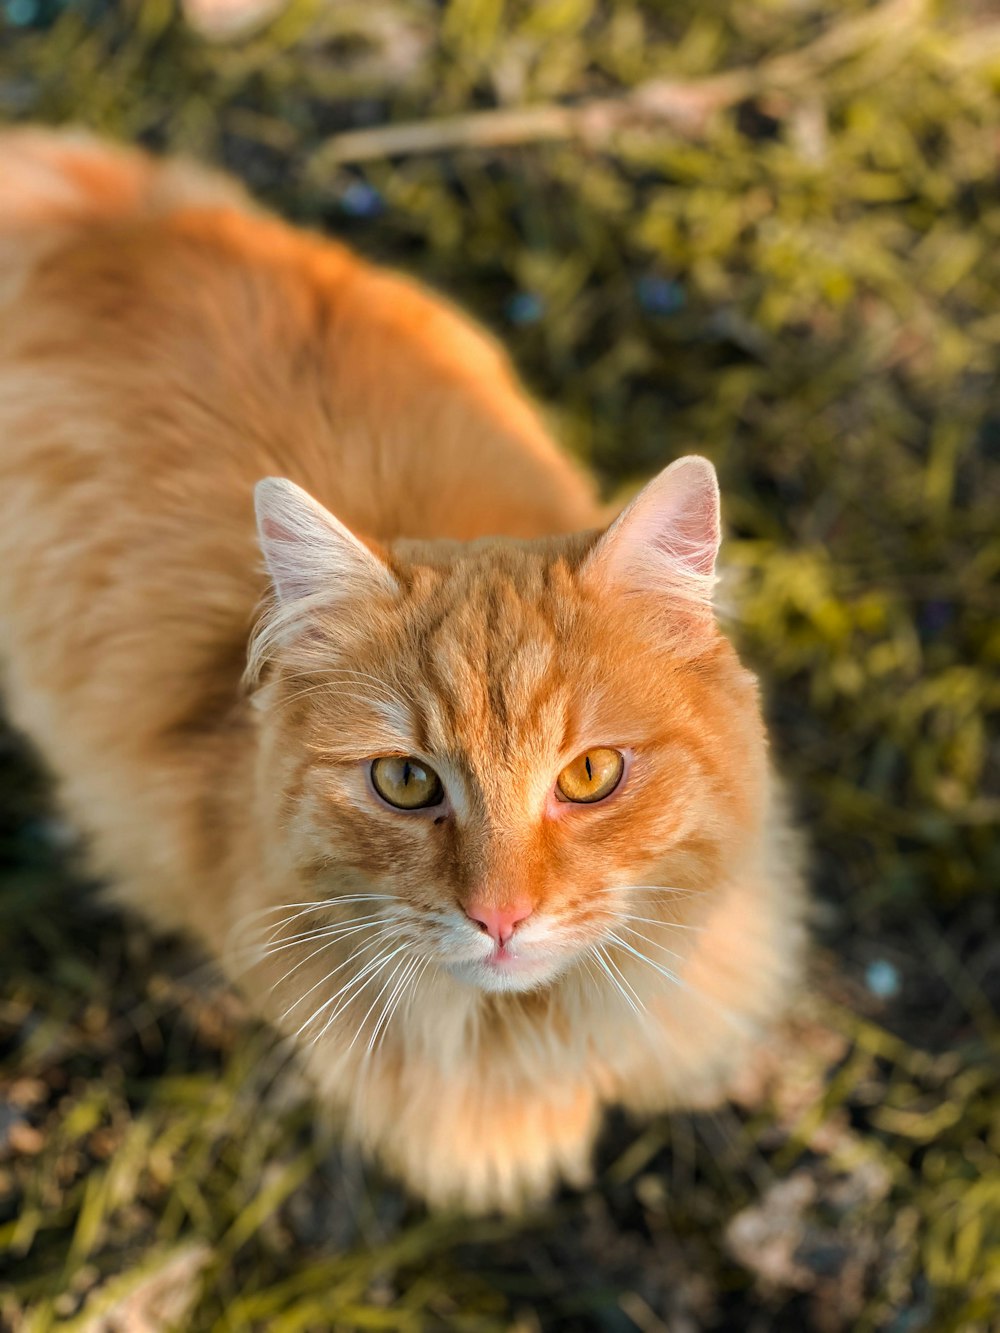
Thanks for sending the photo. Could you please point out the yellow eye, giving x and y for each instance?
(406, 783)
(591, 776)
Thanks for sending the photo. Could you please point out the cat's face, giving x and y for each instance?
(507, 744)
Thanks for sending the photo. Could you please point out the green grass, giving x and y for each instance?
(805, 287)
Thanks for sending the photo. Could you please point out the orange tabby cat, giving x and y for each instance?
(487, 821)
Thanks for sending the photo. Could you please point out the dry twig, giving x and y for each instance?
(683, 106)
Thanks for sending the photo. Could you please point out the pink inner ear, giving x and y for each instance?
(669, 535)
(687, 528)
(273, 531)
(308, 550)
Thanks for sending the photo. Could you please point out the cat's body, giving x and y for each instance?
(163, 347)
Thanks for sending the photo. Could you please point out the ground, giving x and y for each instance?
(787, 258)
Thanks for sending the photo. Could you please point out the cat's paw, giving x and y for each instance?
(502, 1157)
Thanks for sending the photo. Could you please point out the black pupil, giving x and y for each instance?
(406, 772)
(590, 774)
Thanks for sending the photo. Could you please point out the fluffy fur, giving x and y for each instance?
(164, 346)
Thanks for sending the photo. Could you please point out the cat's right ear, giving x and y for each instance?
(666, 541)
(308, 551)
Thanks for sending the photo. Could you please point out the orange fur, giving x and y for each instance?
(163, 347)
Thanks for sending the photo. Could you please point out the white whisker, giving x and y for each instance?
(741, 1025)
(624, 980)
(366, 975)
(390, 981)
(379, 937)
(383, 1024)
(671, 976)
(655, 943)
(646, 896)
(372, 971)
(371, 966)
(245, 922)
(602, 960)
(410, 982)
(333, 931)
(325, 945)
(253, 955)
(659, 921)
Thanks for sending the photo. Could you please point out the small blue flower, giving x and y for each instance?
(882, 979)
(361, 200)
(936, 615)
(660, 296)
(525, 308)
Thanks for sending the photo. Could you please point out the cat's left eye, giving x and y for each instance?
(406, 783)
(591, 776)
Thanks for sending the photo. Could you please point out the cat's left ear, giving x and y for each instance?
(667, 540)
(309, 551)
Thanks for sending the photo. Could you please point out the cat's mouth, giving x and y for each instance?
(507, 969)
(505, 962)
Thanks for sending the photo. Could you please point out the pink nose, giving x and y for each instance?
(498, 921)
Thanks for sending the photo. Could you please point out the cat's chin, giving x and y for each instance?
(508, 974)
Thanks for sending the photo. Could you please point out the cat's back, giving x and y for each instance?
(207, 344)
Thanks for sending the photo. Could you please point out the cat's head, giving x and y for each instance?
(492, 751)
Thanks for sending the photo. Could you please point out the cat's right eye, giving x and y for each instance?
(406, 783)
(591, 776)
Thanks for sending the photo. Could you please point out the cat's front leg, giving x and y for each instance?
(477, 1142)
